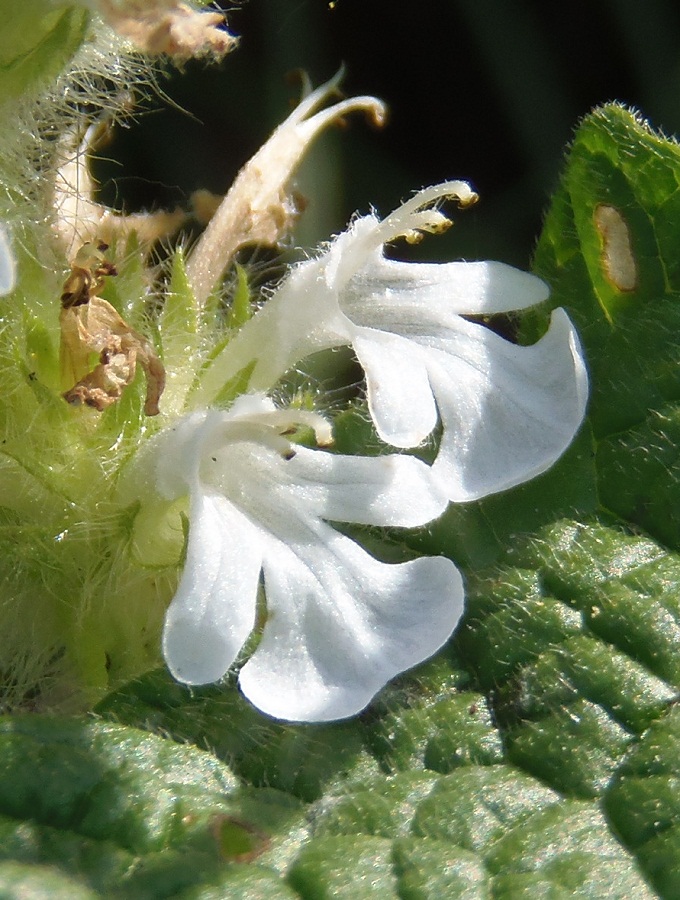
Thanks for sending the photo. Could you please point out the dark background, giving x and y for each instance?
(486, 90)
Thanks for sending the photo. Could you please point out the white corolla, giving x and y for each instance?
(338, 624)
(507, 411)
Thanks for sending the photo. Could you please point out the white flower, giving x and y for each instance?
(339, 624)
(7, 263)
(507, 411)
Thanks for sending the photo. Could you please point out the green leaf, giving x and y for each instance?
(127, 813)
(453, 732)
(632, 336)
(566, 850)
(643, 802)
(429, 869)
(301, 760)
(22, 880)
(36, 42)
(346, 868)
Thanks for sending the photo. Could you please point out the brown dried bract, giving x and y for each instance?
(260, 207)
(88, 270)
(169, 27)
(89, 324)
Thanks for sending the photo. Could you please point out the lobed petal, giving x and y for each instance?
(400, 397)
(341, 625)
(508, 411)
(214, 609)
(388, 290)
(384, 490)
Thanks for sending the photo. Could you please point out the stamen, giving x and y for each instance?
(413, 217)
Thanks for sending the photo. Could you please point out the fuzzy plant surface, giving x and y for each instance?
(535, 754)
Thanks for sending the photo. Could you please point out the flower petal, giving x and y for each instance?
(341, 624)
(7, 263)
(387, 289)
(213, 611)
(508, 411)
(384, 490)
(399, 393)
(176, 453)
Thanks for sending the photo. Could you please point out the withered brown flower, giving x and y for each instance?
(89, 324)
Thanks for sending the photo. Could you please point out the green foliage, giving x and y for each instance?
(36, 42)
(537, 756)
